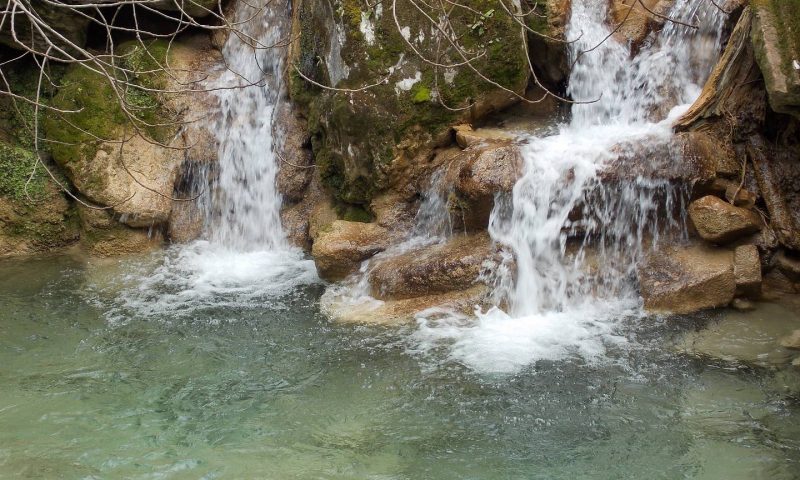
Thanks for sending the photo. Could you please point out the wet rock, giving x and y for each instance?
(638, 20)
(687, 279)
(186, 222)
(775, 43)
(743, 305)
(103, 236)
(339, 248)
(303, 221)
(747, 270)
(796, 362)
(548, 53)
(390, 312)
(440, 268)
(29, 227)
(477, 176)
(294, 154)
(745, 337)
(467, 137)
(791, 341)
(720, 222)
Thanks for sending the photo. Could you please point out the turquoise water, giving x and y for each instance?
(268, 388)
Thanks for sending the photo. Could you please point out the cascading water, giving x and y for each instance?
(557, 301)
(245, 256)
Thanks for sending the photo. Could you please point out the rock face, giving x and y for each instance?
(358, 136)
(340, 248)
(720, 222)
(747, 270)
(441, 268)
(687, 279)
(776, 41)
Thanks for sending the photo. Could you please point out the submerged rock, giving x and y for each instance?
(402, 310)
(687, 279)
(752, 338)
(720, 222)
(339, 248)
(440, 268)
(792, 340)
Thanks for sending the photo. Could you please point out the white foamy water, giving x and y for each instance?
(575, 239)
(245, 255)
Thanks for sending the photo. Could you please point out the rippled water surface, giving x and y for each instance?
(268, 388)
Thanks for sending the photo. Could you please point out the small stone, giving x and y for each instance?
(720, 222)
(747, 270)
(743, 305)
(796, 362)
(791, 341)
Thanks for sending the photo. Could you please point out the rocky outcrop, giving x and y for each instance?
(103, 236)
(720, 222)
(340, 248)
(436, 269)
(687, 279)
(776, 41)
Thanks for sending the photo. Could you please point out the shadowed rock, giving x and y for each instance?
(747, 270)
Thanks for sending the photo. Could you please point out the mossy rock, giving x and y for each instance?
(355, 135)
(96, 118)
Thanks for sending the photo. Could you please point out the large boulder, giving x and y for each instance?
(339, 248)
(776, 41)
(687, 279)
(720, 222)
(454, 265)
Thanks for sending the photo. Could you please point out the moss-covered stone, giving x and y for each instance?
(355, 134)
(95, 113)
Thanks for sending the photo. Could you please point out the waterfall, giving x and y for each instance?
(575, 238)
(245, 258)
(246, 204)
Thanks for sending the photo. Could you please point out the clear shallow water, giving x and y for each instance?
(267, 388)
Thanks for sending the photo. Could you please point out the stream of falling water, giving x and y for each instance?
(245, 256)
(565, 298)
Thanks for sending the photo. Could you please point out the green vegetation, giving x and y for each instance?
(16, 166)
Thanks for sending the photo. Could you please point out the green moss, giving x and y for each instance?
(94, 106)
(787, 16)
(421, 94)
(16, 166)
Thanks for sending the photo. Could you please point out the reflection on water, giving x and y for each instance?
(249, 391)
